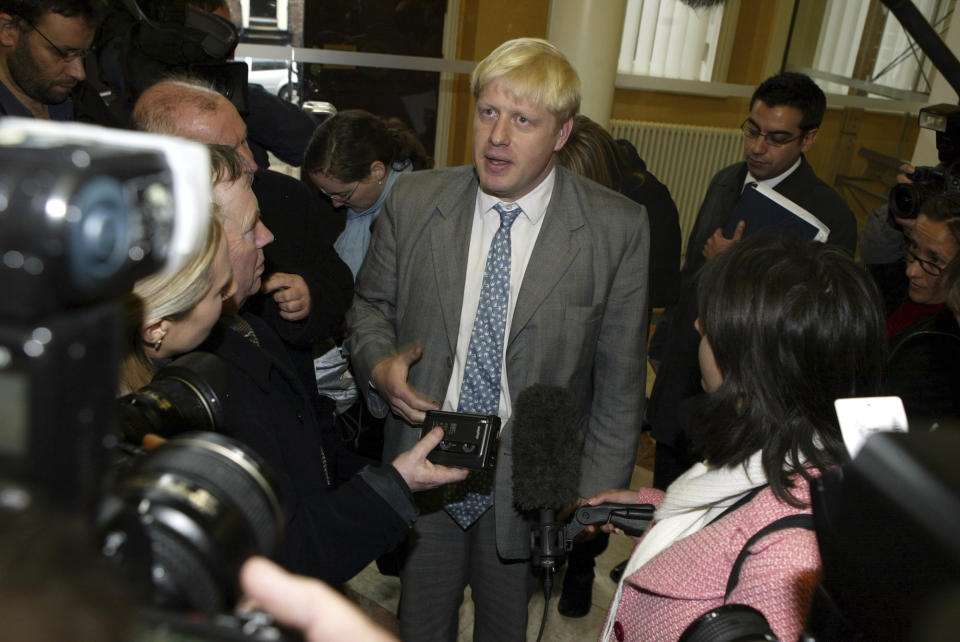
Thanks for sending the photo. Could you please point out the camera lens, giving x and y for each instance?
(904, 200)
(203, 503)
(730, 623)
(183, 396)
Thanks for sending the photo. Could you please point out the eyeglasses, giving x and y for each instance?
(66, 56)
(930, 267)
(343, 197)
(774, 139)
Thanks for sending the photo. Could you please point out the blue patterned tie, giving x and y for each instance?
(480, 390)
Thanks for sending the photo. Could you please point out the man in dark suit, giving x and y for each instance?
(785, 115)
(434, 325)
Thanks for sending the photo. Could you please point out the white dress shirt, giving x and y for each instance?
(523, 236)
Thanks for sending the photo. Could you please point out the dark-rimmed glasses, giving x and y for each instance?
(66, 56)
(930, 267)
(774, 139)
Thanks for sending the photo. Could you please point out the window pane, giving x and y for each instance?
(861, 48)
(392, 27)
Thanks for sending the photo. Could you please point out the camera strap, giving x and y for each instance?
(803, 520)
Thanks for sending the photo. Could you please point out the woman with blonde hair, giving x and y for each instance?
(171, 314)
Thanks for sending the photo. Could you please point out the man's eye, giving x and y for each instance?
(779, 139)
(523, 120)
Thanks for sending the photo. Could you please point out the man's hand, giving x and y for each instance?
(318, 612)
(390, 378)
(291, 293)
(421, 473)
(719, 243)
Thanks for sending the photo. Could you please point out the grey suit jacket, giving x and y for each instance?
(579, 322)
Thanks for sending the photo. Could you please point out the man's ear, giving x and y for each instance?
(808, 139)
(378, 171)
(565, 128)
(9, 30)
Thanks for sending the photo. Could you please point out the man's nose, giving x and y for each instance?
(758, 145)
(75, 69)
(264, 235)
(499, 134)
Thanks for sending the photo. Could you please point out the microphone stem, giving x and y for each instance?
(547, 577)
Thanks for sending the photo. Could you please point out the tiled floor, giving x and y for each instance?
(378, 595)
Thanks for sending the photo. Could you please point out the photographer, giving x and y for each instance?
(924, 366)
(787, 326)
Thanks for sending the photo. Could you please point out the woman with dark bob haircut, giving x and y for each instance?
(787, 326)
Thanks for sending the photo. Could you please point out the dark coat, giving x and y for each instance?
(330, 534)
(303, 245)
(664, 235)
(924, 370)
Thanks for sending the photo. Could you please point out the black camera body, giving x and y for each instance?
(136, 48)
(906, 199)
(469, 440)
(84, 212)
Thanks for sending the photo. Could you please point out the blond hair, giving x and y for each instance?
(536, 71)
(166, 296)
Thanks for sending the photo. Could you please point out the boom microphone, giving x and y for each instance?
(546, 472)
(546, 449)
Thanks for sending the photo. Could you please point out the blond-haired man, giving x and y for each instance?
(575, 308)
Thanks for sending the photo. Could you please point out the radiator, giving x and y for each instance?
(684, 158)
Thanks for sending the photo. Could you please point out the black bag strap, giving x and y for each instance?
(803, 520)
(753, 492)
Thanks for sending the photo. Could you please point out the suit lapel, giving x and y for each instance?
(554, 251)
(450, 246)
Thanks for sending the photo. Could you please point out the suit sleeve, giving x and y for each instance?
(619, 370)
(371, 320)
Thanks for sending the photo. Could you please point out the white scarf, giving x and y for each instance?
(691, 502)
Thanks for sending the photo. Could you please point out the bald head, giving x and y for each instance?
(191, 110)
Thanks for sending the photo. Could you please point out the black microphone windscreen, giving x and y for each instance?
(547, 441)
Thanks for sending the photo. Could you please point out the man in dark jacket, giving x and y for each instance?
(330, 534)
(785, 115)
(42, 49)
(307, 288)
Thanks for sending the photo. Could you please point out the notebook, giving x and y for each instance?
(769, 212)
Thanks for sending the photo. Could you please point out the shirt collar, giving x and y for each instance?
(534, 203)
(776, 180)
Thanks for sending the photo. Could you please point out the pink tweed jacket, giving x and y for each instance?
(689, 578)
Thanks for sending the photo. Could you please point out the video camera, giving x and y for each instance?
(906, 199)
(136, 47)
(85, 212)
